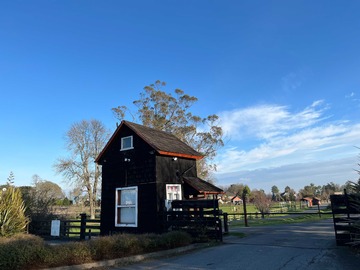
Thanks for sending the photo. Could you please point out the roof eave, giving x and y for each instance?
(173, 154)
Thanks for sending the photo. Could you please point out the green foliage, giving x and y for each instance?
(12, 212)
(310, 191)
(245, 192)
(31, 252)
(163, 111)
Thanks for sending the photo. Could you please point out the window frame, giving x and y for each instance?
(131, 143)
(120, 206)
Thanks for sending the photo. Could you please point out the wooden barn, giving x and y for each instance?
(143, 170)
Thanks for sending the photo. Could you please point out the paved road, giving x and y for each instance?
(297, 246)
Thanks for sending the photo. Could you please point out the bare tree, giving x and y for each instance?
(84, 141)
(262, 202)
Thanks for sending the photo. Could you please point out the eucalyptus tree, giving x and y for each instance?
(84, 141)
(163, 111)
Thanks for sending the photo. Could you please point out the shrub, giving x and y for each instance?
(21, 252)
(31, 252)
(12, 212)
(175, 239)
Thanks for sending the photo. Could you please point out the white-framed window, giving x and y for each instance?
(127, 143)
(173, 192)
(126, 207)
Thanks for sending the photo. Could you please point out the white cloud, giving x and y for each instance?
(268, 121)
(295, 175)
(283, 137)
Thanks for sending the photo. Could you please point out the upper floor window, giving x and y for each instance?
(127, 143)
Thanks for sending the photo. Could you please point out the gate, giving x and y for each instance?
(200, 218)
(346, 213)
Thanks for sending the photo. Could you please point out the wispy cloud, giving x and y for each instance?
(296, 175)
(268, 121)
(283, 137)
(353, 97)
(292, 81)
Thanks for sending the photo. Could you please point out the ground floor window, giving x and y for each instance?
(173, 192)
(126, 207)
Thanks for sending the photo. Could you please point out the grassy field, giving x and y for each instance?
(279, 220)
(280, 207)
(280, 215)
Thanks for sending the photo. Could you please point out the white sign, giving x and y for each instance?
(55, 228)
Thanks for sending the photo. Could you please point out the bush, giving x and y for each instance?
(31, 252)
(20, 252)
(12, 212)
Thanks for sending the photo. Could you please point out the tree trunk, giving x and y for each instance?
(245, 213)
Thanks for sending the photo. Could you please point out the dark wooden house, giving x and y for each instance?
(143, 170)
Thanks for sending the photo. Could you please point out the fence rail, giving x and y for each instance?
(69, 229)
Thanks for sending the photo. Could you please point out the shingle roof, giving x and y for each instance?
(162, 142)
(202, 186)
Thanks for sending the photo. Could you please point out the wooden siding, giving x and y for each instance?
(117, 172)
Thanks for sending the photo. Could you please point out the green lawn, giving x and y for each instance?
(276, 221)
(250, 208)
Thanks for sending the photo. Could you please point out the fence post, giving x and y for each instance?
(226, 224)
(82, 226)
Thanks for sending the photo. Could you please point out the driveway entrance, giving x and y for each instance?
(298, 246)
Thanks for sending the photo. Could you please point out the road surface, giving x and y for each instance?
(296, 246)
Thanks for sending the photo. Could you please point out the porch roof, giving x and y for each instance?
(202, 186)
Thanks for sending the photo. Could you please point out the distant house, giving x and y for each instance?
(308, 201)
(316, 201)
(236, 200)
(143, 170)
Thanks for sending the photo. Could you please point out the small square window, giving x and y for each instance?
(127, 143)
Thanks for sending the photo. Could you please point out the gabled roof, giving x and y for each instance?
(202, 186)
(162, 142)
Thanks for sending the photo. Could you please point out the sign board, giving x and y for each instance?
(55, 228)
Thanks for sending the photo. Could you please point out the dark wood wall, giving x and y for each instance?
(147, 170)
(170, 171)
(137, 170)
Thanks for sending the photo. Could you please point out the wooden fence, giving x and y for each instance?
(200, 218)
(80, 229)
(346, 213)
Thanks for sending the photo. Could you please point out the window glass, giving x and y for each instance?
(128, 197)
(127, 215)
(126, 207)
(127, 143)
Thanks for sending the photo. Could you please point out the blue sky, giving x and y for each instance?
(284, 77)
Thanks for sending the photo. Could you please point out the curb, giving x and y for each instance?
(131, 259)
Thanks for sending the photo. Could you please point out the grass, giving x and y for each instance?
(250, 208)
(280, 220)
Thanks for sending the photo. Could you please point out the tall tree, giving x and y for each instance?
(160, 110)
(245, 194)
(275, 193)
(11, 179)
(310, 191)
(84, 141)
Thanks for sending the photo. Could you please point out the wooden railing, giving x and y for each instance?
(82, 228)
(197, 217)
